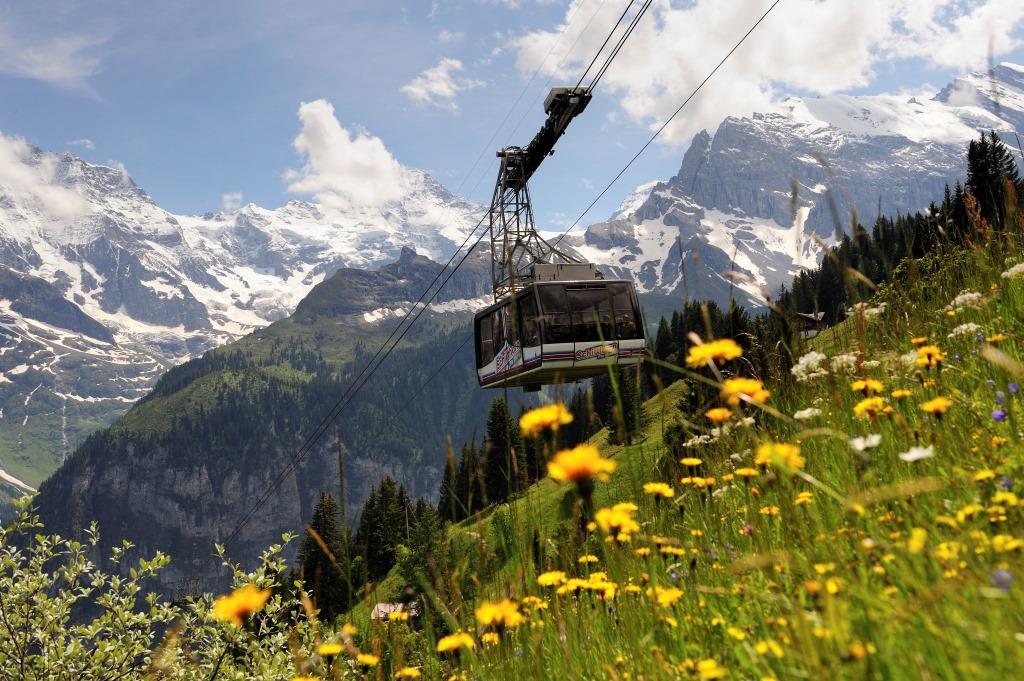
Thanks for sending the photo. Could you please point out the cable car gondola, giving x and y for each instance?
(566, 325)
(554, 318)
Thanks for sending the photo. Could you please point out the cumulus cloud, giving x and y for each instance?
(64, 61)
(231, 201)
(83, 142)
(446, 36)
(30, 177)
(815, 46)
(343, 169)
(439, 85)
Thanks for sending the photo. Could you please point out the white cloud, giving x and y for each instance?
(231, 201)
(60, 60)
(29, 176)
(446, 36)
(439, 85)
(343, 169)
(817, 46)
(83, 142)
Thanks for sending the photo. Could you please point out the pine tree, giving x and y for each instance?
(500, 468)
(448, 498)
(322, 574)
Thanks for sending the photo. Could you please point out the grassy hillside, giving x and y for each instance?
(897, 560)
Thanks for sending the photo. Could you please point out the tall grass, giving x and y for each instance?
(894, 568)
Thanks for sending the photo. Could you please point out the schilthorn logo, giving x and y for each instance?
(597, 352)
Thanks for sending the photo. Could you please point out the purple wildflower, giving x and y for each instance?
(998, 415)
(1002, 579)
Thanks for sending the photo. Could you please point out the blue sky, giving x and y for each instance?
(199, 99)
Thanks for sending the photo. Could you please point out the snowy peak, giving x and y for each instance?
(101, 289)
(761, 197)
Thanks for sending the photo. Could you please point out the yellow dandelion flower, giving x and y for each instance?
(580, 465)
(929, 356)
(769, 647)
(548, 417)
(408, 673)
(803, 498)
(900, 394)
(984, 475)
(937, 406)
(736, 633)
(490, 638)
(659, 489)
(735, 390)
(710, 669)
(329, 649)
(918, 537)
(235, 608)
(869, 406)
(666, 598)
(398, 616)
(718, 415)
(348, 629)
(367, 659)
(779, 454)
(770, 511)
(919, 341)
(746, 472)
(715, 351)
(643, 552)
(996, 339)
(453, 642)
(551, 578)
(690, 461)
(867, 386)
(616, 521)
(587, 558)
(499, 614)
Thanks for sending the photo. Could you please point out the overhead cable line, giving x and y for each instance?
(583, 76)
(667, 121)
(624, 169)
(356, 385)
(618, 47)
(363, 377)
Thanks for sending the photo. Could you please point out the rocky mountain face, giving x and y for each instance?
(763, 196)
(183, 467)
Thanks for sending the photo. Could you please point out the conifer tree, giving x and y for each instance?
(322, 574)
(499, 450)
(448, 499)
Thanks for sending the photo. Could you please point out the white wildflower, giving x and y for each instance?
(847, 362)
(807, 414)
(870, 364)
(909, 358)
(866, 310)
(917, 453)
(1014, 272)
(966, 299)
(699, 441)
(810, 367)
(861, 444)
(968, 329)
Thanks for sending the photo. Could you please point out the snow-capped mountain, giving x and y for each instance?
(764, 195)
(101, 290)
